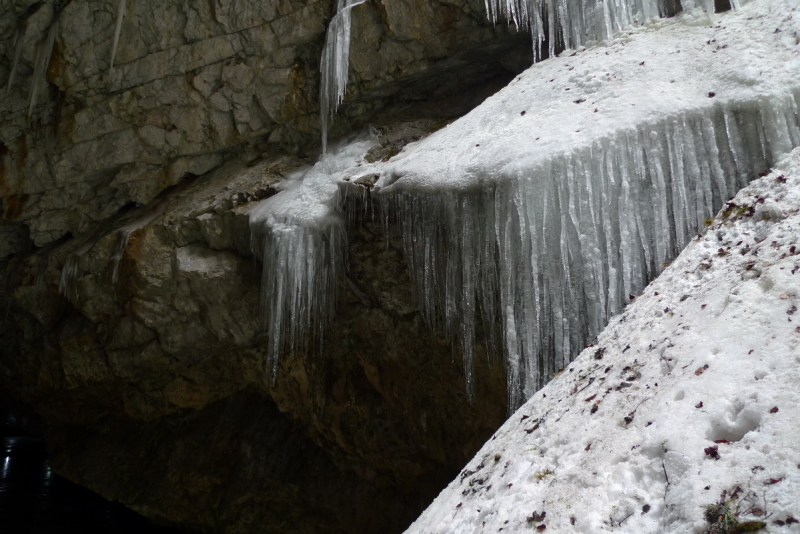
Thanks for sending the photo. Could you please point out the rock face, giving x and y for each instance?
(156, 394)
(196, 85)
(133, 324)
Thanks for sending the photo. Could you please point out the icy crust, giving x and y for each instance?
(545, 212)
(688, 398)
(302, 241)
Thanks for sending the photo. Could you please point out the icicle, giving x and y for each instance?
(44, 51)
(335, 64)
(117, 29)
(19, 38)
(123, 236)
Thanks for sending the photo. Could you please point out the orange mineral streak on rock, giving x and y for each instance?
(12, 156)
(3, 171)
(13, 206)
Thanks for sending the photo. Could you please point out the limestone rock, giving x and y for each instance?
(133, 324)
(196, 85)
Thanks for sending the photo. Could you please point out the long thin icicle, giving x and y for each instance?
(44, 51)
(117, 29)
(334, 64)
(19, 38)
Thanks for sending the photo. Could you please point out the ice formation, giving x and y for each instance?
(334, 64)
(302, 240)
(541, 213)
(117, 29)
(529, 222)
(545, 258)
(689, 398)
(44, 51)
(573, 23)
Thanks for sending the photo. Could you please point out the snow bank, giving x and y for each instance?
(566, 192)
(688, 398)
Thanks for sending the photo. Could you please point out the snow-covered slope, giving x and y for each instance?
(691, 394)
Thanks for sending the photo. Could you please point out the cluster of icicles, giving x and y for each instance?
(538, 265)
(302, 240)
(567, 23)
(533, 267)
(44, 46)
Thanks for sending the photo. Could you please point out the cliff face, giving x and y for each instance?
(133, 324)
(155, 390)
(196, 85)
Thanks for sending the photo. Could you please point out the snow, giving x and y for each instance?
(664, 70)
(565, 193)
(691, 392)
(575, 22)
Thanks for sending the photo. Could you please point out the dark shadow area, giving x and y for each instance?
(34, 500)
(721, 6)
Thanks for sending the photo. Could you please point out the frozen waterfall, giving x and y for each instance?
(538, 262)
(334, 64)
(532, 220)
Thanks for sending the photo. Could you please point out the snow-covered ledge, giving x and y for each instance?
(689, 398)
(563, 194)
